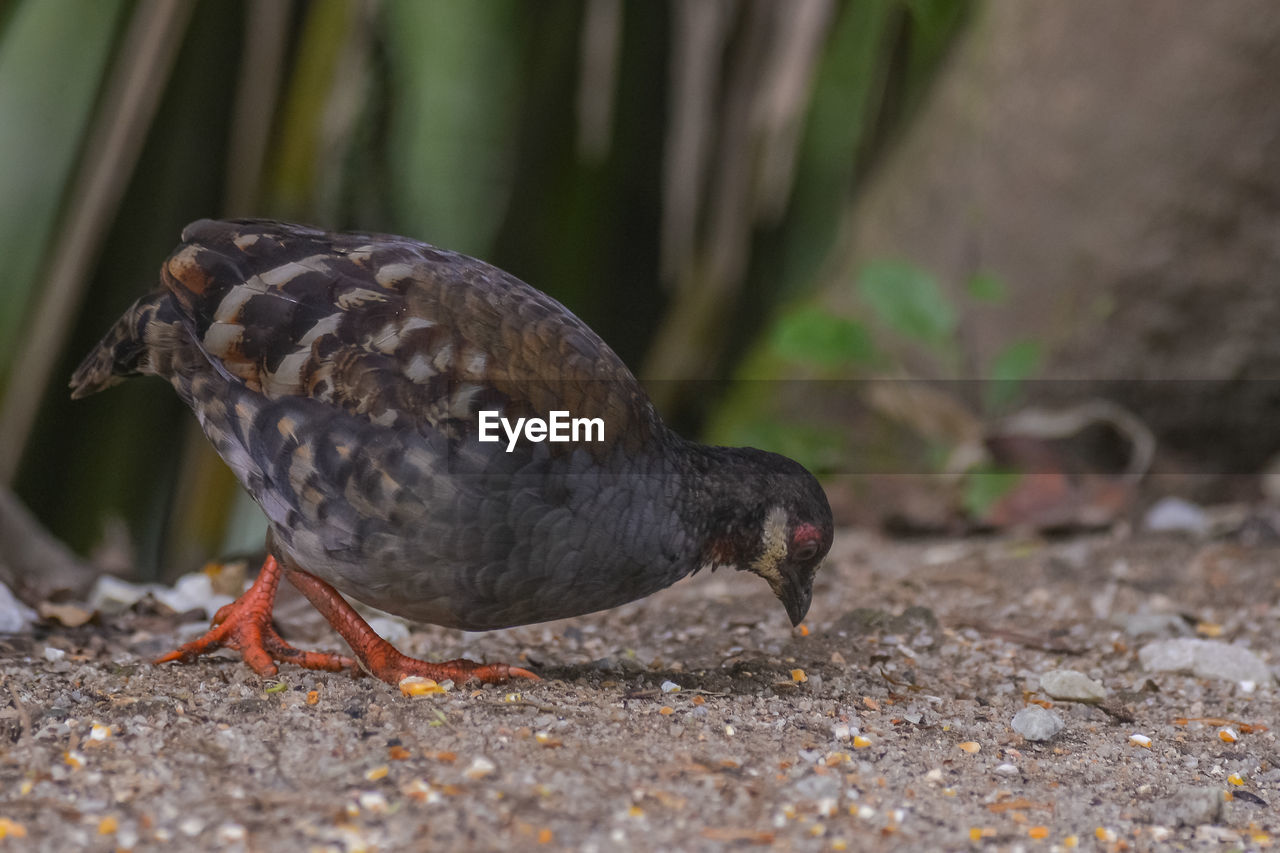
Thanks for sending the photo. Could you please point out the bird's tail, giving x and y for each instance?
(122, 351)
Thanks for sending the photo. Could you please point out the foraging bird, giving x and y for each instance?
(343, 376)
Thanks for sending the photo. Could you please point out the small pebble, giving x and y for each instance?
(15, 617)
(1175, 515)
(1138, 624)
(1006, 770)
(1191, 805)
(373, 802)
(1204, 659)
(480, 767)
(1072, 685)
(670, 687)
(232, 833)
(1037, 724)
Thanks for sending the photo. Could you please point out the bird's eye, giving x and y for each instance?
(805, 552)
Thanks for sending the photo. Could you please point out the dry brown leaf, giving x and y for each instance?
(69, 615)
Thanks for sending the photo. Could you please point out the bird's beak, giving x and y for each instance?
(796, 593)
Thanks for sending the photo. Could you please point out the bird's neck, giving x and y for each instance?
(724, 503)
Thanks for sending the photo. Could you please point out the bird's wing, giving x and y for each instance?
(393, 330)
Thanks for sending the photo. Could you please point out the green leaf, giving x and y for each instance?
(983, 487)
(909, 301)
(812, 335)
(1012, 365)
(985, 287)
(1017, 361)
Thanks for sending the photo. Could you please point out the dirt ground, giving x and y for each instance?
(885, 725)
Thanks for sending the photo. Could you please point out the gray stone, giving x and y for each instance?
(1175, 515)
(15, 617)
(1072, 685)
(1036, 723)
(1192, 805)
(1204, 659)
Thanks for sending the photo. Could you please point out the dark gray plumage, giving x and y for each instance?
(341, 377)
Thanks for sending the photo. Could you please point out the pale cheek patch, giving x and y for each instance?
(773, 541)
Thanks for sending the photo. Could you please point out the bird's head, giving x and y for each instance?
(771, 518)
(790, 555)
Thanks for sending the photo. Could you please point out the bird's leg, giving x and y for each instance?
(381, 659)
(245, 625)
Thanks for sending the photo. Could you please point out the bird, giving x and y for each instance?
(353, 382)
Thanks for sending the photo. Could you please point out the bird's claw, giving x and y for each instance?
(245, 626)
(458, 671)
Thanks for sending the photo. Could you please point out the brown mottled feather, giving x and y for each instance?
(394, 330)
(339, 376)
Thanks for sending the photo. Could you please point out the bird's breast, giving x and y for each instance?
(445, 530)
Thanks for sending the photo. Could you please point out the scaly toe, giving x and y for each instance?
(458, 671)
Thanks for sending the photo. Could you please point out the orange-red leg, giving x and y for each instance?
(381, 659)
(245, 625)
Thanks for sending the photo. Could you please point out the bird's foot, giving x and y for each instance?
(381, 659)
(245, 626)
(393, 667)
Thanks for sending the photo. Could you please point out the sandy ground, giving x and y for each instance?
(885, 725)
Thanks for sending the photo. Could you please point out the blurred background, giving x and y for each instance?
(978, 264)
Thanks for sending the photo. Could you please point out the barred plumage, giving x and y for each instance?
(341, 375)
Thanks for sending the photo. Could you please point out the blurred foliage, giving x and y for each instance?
(907, 300)
(674, 172)
(809, 335)
(984, 486)
(1018, 361)
(45, 105)
(453, 90)
(905, 329)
